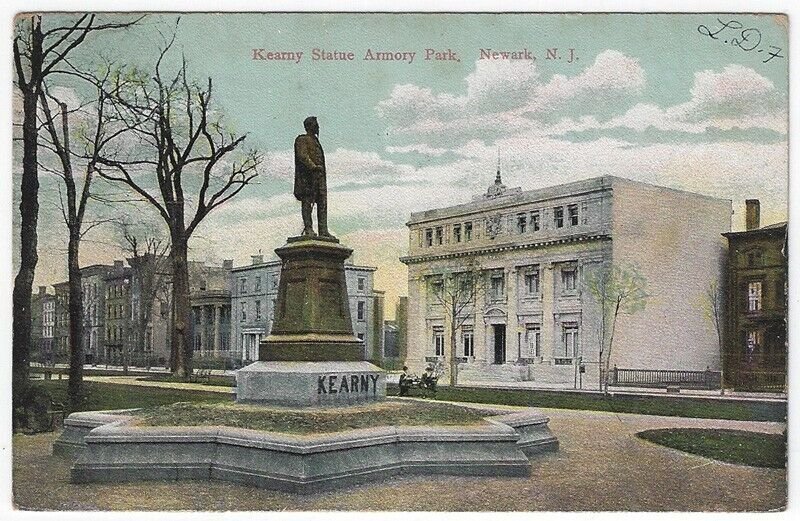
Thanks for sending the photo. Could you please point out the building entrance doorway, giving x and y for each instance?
(499, 343)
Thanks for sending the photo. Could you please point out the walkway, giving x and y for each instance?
(601, 465)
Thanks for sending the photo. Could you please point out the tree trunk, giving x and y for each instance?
(75, 322)
(23, 283)
(181, 329)
(453, 357)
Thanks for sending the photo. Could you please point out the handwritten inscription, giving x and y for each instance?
(735, 34)
(343, 383)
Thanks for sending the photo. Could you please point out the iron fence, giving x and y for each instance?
(664, 377)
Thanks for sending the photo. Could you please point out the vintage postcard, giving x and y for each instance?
(399, 261)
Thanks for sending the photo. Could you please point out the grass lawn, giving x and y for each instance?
(103, 396)
(655, 405)
(741, 447)
(308, 422)
(215, 380)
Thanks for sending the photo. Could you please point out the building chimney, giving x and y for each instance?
(257, 259)
(119, 264)
(752, 214)
(227, 264)
(42, 290)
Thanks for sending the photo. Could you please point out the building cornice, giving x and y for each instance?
(416, 259)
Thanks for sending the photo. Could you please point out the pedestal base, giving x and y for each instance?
(310, 384)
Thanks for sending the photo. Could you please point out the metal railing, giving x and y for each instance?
(664, 377)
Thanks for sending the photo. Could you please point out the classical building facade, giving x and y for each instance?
(255, 291)
(535, 318)
(211, 309)
(755, 335)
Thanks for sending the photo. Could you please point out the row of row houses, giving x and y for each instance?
(537, 318)
(127, 311)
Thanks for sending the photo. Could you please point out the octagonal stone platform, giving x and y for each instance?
(109, 448)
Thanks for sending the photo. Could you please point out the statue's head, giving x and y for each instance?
(311, 125)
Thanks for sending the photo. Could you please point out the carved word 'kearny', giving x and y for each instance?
(333, 384)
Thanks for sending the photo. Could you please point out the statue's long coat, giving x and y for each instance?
(307, 155)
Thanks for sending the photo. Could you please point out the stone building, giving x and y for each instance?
(536, 319)
(118, 321)
(757, 277)
(94, 296)
(42, 325)
(61, 321)
(255, 291)
(210, 297)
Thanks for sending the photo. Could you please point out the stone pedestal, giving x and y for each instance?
(310, 384)
(311, 357)
(312, 314)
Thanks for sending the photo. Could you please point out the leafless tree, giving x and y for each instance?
(183, 155)
(150, 265)
(457, 292)
(96, 128)
(617, 289)
(713, 310)
(37, 53)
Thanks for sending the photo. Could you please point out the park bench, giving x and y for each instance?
(56, 410)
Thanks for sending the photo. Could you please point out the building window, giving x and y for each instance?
(569, 340)
(558, 216)
(572, 212)
(360, 336)
(754, 259)
(568, 279)
(536, 222)
(532, 282)
(436, 288)
(754, 296)
(362, 283)
(533, 339)
(274, 278)
(242, 285)
(497, 286)
(361, 310)
(468, 341)
(467, 232)
(438, 341)
(522, 223)
(752, 344)
(244, 311)
(456, 233)
(429, 237)
(258, 310)
(439, 235)
(198, 316)
(258, 284)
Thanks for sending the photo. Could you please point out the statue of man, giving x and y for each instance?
(310, 187)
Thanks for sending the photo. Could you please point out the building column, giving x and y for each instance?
(217, 319)
(512, 321)
(548, 324)
(479, 330)
(202, 311)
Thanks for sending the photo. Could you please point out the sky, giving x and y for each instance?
(665, 99)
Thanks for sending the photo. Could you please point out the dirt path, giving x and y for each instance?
(601, 465)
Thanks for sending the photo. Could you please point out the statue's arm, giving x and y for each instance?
(301, 147)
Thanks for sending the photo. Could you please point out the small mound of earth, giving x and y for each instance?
(309, 421)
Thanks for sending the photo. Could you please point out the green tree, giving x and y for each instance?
(618, 289)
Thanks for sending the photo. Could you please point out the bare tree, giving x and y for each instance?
(457, 292)
(617, 289)
(150, 265)
(37, 54)
(183, 144)
(713, 311)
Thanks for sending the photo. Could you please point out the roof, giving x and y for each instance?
(518, 197)
(777, 229)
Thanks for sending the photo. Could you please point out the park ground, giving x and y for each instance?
(601, 465)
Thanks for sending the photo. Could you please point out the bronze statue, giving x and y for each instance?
(310, 187)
